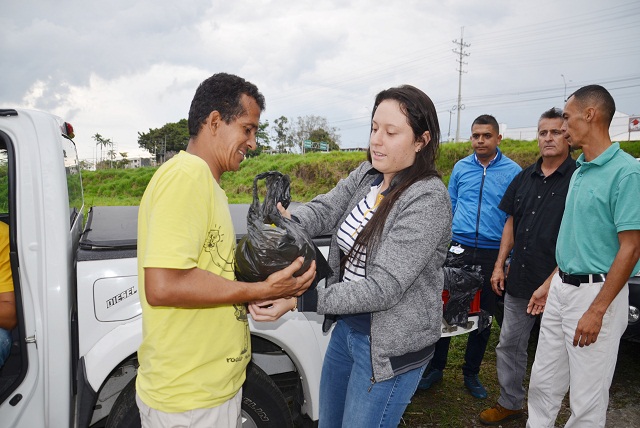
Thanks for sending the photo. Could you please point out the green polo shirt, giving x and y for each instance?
(603, 200)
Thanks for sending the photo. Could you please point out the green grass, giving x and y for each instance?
(448, 404)
(311, 174)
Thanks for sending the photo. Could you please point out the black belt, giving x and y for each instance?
(581, 279)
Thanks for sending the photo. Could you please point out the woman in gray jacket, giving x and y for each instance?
(391, 226)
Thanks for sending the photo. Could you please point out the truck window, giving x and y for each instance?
(74, 180)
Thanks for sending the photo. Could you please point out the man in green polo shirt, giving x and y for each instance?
(586, 305)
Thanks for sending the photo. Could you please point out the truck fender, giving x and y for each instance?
(115, 347)
(300, 337)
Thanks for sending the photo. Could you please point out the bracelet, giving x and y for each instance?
(295, 305)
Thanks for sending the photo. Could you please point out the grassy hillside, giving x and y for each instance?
(311, 174)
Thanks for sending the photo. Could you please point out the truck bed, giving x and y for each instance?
(112, 232)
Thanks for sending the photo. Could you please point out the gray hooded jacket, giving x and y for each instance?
(404, 276)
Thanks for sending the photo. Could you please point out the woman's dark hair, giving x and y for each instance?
(221, 92)
(421, 116)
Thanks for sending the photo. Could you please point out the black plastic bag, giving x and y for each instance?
(463, 282)
(484, 320)
(272, 242)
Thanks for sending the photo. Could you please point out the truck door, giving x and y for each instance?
(14, 369)
(41, 201)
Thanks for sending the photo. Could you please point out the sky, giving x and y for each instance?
(121, 67)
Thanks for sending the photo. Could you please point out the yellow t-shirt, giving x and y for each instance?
(189, 358)
(6, 280)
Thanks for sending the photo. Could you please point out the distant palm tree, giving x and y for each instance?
(102, 142)
(111, 154)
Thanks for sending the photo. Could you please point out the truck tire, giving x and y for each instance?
(125, 413)
(263, 405)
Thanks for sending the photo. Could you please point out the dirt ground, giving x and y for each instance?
(449, 405)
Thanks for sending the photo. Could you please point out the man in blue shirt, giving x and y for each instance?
(586, 303)
(476, 187)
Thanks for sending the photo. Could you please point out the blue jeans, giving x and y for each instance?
(5, 345)
(347, 396)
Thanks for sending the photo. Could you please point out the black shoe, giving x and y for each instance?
(472, 383)
(429, 378)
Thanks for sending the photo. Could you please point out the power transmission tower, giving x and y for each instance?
(461, 54)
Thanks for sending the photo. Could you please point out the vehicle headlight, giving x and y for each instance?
(634, 314)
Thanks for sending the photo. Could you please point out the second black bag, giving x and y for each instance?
(462, 281)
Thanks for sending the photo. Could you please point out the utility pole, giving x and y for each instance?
(460, 46)
(164, 148)
(450, 114)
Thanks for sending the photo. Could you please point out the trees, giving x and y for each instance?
(321, 135)
(122, 163)
(314, 128)
(283, 139)
(103, 143)
(317, 129)
(262, 140)
(111, 154)
(171, 137)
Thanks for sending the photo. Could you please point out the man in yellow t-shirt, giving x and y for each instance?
(195, 344)
(8, 319)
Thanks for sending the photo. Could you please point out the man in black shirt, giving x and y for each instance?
(534, 202)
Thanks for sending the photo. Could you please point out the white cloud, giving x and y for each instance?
(120, 108)
(119, 67)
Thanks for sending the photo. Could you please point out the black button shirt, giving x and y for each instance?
(536, 203)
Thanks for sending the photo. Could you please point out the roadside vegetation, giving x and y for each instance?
(311, 174)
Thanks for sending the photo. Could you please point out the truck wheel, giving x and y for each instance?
(125, 413)
(263, 405)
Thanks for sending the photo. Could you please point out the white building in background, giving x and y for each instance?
(619, 130)
(138, 162)
(527, 134)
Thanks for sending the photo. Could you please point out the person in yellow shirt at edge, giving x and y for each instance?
(195, 340)
(8, 318)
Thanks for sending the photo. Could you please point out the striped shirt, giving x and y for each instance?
(355, 268)
(349, 230)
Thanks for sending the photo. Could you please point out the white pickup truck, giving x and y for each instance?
(73, 361)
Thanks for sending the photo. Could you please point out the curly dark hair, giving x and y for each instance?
(221, 92)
